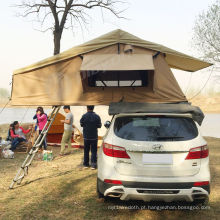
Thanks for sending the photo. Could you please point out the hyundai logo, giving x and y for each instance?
(157, 147)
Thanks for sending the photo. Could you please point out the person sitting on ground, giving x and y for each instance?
(41, 121)
(17, 134)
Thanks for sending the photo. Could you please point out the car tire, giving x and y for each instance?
(202, 202)
(99, 194)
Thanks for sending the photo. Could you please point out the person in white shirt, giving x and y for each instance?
(68, 129)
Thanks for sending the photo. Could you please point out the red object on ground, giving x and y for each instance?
(55, 133)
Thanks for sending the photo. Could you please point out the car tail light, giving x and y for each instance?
(114, 151)
(116, 182)
(201, 183)
(198, 153)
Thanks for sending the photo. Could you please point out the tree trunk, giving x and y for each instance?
(57, 39)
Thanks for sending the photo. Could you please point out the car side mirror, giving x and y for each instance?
(107, 124)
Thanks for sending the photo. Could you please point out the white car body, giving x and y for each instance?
(155, 170)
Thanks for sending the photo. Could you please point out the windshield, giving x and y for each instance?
(155, 128)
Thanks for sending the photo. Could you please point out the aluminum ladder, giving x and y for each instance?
(23, 170)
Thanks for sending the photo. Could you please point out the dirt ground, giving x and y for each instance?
(61, 189)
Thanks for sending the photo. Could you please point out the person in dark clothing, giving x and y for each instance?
(90, 123)
(9, 138)
(36, 125)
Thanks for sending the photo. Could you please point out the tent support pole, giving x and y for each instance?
(119, 48)
(23, 170)
(156, 54)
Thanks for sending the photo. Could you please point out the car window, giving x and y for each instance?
(155, 128)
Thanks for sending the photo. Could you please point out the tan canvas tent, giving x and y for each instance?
(114, 67)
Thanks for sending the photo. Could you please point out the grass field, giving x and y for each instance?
(61, 189)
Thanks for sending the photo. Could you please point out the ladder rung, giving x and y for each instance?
(19, 178)
(27, 165)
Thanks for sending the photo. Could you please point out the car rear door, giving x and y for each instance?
(157, 145)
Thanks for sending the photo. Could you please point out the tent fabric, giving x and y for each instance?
(180, 108)
(63, 79)
(174, 58)
(106, 62)
(64, 84)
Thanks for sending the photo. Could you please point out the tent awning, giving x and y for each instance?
(174, 58)
(114, 62)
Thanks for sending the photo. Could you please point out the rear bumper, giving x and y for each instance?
(154, 191)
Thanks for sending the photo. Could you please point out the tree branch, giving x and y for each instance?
(54, 12)
(65, 13)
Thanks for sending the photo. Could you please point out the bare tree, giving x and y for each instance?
(206, 36)
(62, 14)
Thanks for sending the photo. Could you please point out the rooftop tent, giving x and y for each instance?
(114, 67)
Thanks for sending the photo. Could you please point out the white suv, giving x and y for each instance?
(154, 157)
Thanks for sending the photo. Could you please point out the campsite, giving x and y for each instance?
(72, 190)
(62, 190)
(121, 121)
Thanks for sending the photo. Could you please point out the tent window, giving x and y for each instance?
(136, 78)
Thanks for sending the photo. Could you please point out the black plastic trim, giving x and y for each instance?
(102, 186)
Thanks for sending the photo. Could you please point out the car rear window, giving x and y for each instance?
(155, 128)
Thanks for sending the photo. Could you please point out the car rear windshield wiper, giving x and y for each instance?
(168, 137)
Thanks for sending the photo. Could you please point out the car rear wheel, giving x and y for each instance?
(202, 202)
(99, 194)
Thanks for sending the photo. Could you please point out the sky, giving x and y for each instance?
(167, 22)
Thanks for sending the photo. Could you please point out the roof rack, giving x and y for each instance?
(176, 108)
